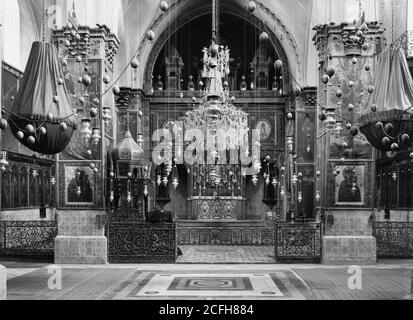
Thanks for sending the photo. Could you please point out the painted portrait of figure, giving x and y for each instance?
(350, 185)
(265, 129)
(79, 186)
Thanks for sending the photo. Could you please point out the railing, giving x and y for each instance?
(27, 238)
(394, 239)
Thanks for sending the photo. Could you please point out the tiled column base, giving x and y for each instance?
(349, 238)
(3, 279)
(349, 250)
(80, 250)
(80, 239)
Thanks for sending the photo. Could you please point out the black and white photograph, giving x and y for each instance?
(206, 158)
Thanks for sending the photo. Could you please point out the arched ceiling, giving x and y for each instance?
(281, 17)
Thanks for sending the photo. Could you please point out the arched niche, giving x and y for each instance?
(182, 53)
(180, 13)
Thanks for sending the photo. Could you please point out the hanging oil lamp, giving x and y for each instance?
(106, 116)
(96, 136)
(78, 191)
(254, 179)
(3, 162)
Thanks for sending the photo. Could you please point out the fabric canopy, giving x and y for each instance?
(393, 97)
(35, 101)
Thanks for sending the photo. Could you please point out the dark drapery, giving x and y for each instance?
(393, 97)
(35, 101)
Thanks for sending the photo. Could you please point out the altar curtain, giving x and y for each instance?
(34, 101)
(393, 96)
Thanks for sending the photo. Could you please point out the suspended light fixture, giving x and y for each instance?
(3, 162)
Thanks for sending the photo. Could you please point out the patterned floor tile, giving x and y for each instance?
(282, 284)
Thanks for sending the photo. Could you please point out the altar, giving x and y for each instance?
(226, 209)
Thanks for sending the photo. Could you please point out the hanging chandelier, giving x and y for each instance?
(217, 113)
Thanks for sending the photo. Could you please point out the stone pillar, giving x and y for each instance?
(3, 280)
(81, 239)
(345, 161)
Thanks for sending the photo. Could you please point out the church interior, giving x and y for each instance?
(177, 131)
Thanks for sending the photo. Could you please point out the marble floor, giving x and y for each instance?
(388, 280)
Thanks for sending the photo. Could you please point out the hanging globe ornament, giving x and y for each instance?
(339, 93)
(30, 129)
(106, 79)
(354, 131)
(86, 80)
(322, 116)
(394, 146)
(63, 126)
(350, 84)
(350, 107)
(354, 60)
(385, 141)
(348, 126)
(134, 63)
(252, 6)
(264, 36)
(20, 135)
(325, 78)
(367, 67)
(116, 90)
(370, 89)
(3, 124)
(31, 140)
(388, 127)
(93, 112)
(164, 6)
(330, 71)
(150, 35)
(373, 107)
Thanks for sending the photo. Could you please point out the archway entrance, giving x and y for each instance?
(229, 221)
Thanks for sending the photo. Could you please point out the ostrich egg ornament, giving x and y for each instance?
(41, 92)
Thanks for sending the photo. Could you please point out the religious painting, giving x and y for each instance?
(79, 186)
(77, 149)
(264, 126)
(350, 185)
